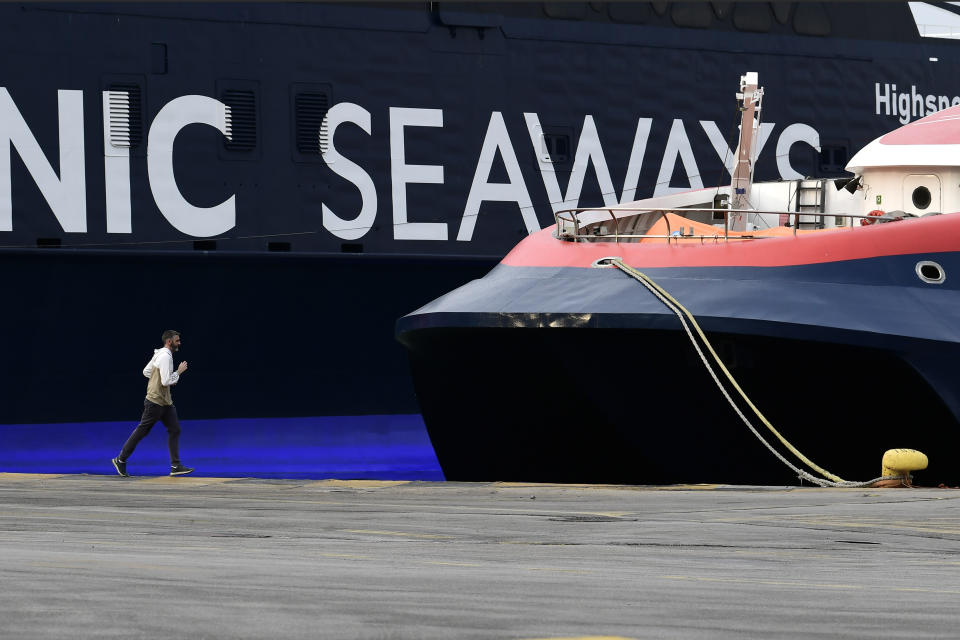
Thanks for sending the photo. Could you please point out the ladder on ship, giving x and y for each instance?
(809, 199)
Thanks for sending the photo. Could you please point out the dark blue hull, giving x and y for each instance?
(582, 375)
(267, 341)
(262, 334)
(285, 251)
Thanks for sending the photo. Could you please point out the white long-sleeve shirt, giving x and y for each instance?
(161, 377)
(163, 360)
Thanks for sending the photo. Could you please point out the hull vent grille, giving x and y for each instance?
(312, 135)
(241, 119)
(126, 115)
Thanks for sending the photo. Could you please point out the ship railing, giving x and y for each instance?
(568, 218)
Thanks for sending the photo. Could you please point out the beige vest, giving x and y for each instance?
(156, 392)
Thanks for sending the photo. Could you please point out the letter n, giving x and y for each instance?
(67, 193)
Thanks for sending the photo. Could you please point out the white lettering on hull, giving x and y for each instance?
(728, 155)
(637, 152)
(589, 150)
(906, 106)
(116, 168)
(677, 145)
(402, 173)
(797, 132)
(66, 194)
(497, 140)
(356, 228)
(199, 222)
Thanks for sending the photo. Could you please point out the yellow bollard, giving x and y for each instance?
(900, 462)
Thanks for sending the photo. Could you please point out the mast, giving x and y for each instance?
(749, 97)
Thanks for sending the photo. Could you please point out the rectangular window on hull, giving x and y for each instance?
(557, 146)
(833, 159)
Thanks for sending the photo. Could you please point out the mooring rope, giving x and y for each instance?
(829, 479)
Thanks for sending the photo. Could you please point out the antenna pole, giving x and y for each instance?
(749, 97)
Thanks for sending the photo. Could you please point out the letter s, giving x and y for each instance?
(345, 168)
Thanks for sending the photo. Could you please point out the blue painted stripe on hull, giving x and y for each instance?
(835, 297)
(385, 447)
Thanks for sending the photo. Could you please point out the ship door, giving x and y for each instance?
(921, 194)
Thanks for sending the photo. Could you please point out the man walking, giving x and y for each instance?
(158, 405)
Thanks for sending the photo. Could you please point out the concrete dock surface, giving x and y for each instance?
(193, 557)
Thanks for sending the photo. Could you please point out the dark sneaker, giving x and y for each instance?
(121, 467)
(180, 470)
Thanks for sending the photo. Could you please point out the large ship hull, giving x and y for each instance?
(261, 333)
(580, 374)
(376, 156)
(282, 382)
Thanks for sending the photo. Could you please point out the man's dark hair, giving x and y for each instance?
(169, 334)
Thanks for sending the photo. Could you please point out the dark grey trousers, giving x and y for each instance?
(152, 413)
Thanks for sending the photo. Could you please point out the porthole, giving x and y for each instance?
(931, 272)
(921, 197)
(599, 263)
